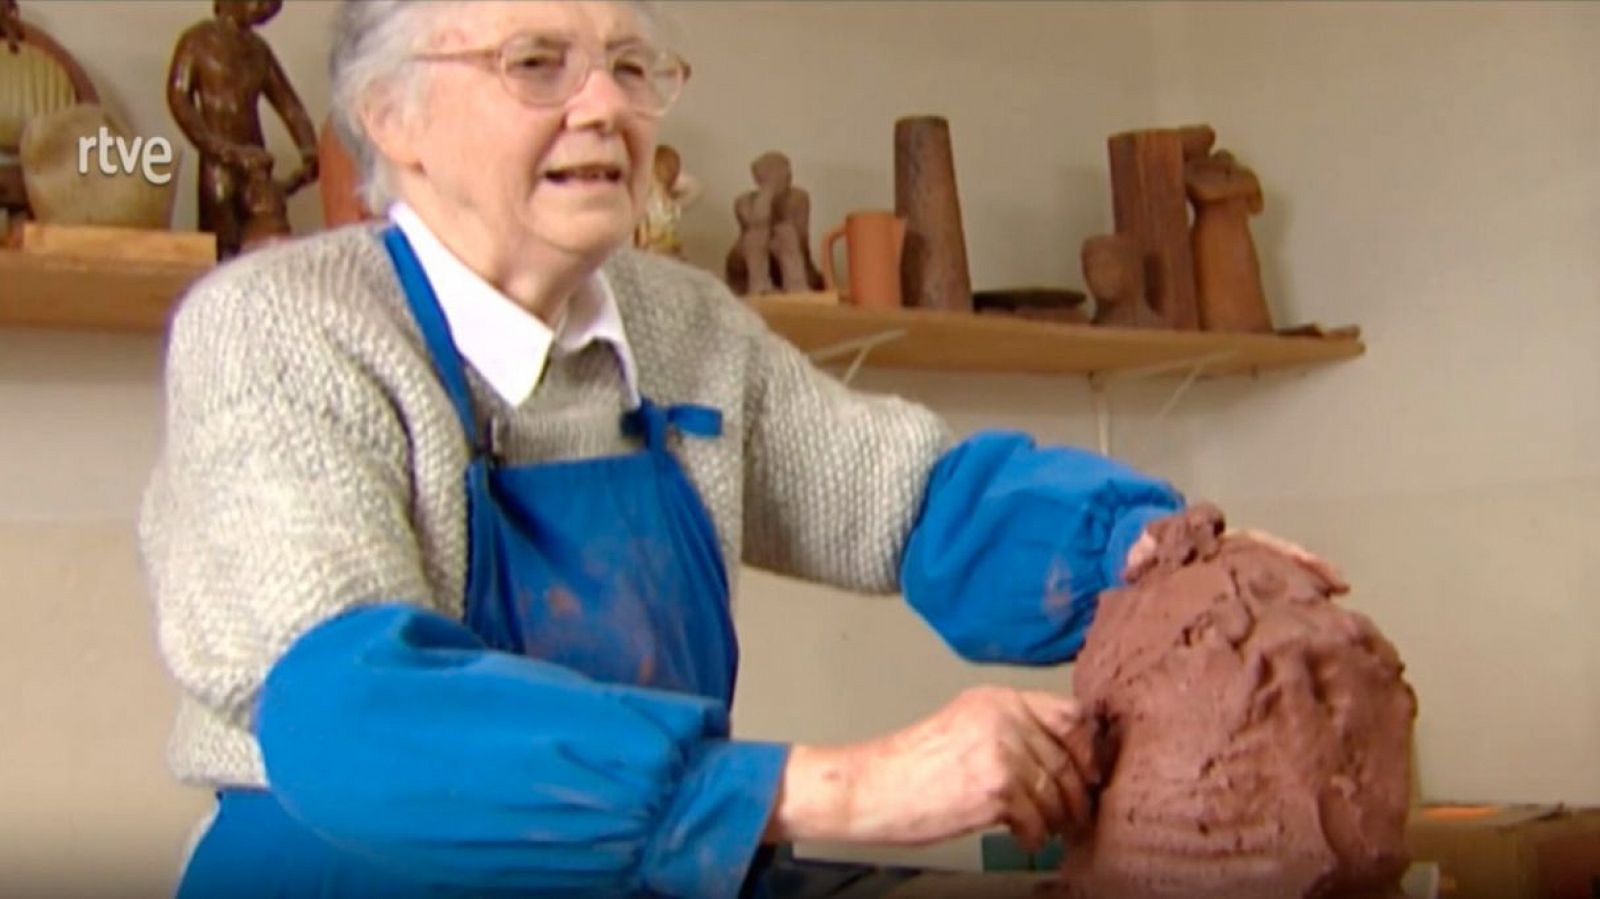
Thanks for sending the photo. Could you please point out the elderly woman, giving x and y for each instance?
(441, 534)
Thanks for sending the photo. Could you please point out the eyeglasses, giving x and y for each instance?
(546, 71)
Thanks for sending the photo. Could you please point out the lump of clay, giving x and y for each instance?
(1259, 735)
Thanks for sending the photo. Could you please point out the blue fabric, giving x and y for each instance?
(1014, 544)
(568, 738)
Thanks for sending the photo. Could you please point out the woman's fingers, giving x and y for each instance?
(1062, 734)
(1026, 820)
(1040, 772)
(1319, 566)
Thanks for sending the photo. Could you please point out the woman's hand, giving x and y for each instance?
(993, 756)
(1314, 563)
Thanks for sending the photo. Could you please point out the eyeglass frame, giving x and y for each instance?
(495, 57)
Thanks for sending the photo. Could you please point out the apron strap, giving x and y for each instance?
(652, 421)
(424, 305)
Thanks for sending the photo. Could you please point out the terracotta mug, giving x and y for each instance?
(874, 242)
(336, 181)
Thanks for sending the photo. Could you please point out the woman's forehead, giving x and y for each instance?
(489, 21)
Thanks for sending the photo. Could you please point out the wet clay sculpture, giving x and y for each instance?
(773, 252)
(1258, 734)
(1227, 274)
(1114, 274)
(934, 269)
(221, 69)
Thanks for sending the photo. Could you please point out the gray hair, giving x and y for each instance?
(372, 44)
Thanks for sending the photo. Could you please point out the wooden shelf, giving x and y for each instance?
(44, 291)
(60, 292)
(952, 341)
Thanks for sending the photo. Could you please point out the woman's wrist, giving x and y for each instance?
(817, 797)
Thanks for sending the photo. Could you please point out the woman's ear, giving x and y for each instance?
(391, 128)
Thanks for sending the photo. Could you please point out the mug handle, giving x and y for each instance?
(829, 280)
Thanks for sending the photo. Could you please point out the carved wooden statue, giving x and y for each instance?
(221, 69)
(671, 189)
(1227, 273)
(1113, 270)
(773, 252)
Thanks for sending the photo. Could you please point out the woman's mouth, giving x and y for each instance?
(597, 173)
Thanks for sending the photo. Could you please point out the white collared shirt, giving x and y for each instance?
(506, 343)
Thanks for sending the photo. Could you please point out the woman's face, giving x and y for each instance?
(520, 177)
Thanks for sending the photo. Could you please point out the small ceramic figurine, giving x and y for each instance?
(671, 191)
(221, 69)
(1227, 273)
(773, 252)
(1114, 274)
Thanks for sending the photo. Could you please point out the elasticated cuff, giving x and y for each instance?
(704, 845)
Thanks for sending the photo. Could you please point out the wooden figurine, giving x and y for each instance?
(1227, 273)
(221, 69)
(671, 190)
(1150, 205)
(773, 253)
(1113, 270)
(934, 268)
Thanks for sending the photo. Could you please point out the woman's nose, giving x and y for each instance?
(600, 100)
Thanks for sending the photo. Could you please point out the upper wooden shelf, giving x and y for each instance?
(43, 291)
(954, 341)
(68, 293)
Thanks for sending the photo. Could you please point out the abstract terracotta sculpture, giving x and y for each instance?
(61, 193)
(934, 271)
(671, 190)
(1113, 270)
(1258, 736)
(37, 77)
(220, 72)
(1227, 273)
(773, 252)
(1150, 205)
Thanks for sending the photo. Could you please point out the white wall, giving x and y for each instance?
(1429, 173)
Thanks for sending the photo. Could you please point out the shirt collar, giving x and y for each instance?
(507, 344)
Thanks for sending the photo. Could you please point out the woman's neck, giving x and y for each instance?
(538, 279)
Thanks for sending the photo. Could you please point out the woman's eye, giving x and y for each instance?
(536, 63)
(631, 68)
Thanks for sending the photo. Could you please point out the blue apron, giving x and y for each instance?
(609, 566)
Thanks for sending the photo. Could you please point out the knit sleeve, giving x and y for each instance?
(281, 496)
(833, 477)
